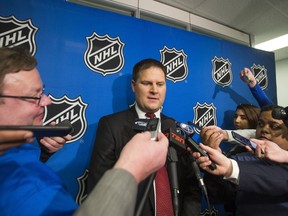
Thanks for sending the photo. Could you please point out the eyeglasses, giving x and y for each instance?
(38, 99)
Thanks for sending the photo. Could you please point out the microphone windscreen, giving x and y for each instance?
(66, 123)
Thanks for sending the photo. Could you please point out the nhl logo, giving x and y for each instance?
(65, 108)
(82, 191)
(14, 32)
(104, 54)
(260, 74)
(210, 212)
(204, 115)
(221, 71)
(176, 64)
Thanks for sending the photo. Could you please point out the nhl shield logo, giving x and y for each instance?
(204, 115)
(14, 32)
(176, 64)
(221, 71)
(210, 212)
(104, 54)
(65, 108)
(82, 191)
(260, 74)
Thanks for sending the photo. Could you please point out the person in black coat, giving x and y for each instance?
(149, 86)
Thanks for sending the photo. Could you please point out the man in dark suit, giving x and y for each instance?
(149, 86)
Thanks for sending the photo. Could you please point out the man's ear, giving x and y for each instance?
(133, 85)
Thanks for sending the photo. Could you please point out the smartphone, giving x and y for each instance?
(153, 127)
(62, 129)
(243, 140)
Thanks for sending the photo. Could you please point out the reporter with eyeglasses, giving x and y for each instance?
(28, 186)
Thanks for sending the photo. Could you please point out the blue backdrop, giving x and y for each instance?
(85, 57)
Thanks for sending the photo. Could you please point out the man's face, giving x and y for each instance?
(150, 89)
(15, 111)
(272, 129)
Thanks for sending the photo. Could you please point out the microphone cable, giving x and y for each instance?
(145, 195)
(201, 182)
(173, 178)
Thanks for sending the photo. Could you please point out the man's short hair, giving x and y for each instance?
(145, 64)
(13, 60)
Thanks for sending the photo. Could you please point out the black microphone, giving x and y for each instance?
(173, 178)
(197, 171)
(176, 141)
(195, 147)
(191, 143)
(62, 129)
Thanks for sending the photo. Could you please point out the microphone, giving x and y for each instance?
(140, 124)
(191, 143)
(62, 129)
(197, 171)
(186, 129)
(173, 178)
(177, 141)
(195, 147)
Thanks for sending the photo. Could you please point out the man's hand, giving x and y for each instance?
(213, 136)
(141, 156)
(53, 144)
(270, 150)
(13, 138)
(223, 164)
(247, 77)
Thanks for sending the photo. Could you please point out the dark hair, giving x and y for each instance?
(269, 107)
(13, 60)
(145, 64)
(252, 114)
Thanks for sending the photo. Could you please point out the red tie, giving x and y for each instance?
(163, 193)
(150, 115)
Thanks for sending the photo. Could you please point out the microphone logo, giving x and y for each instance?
(186, 128)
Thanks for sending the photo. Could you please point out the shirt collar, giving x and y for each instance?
(141, 114)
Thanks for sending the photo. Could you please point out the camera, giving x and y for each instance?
(281, 113)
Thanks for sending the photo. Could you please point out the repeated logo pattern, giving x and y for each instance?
(176, 63)
(260, 74)
(65, 108)
(204, 115)
(104, 54)
(221, 71)
(14, 32)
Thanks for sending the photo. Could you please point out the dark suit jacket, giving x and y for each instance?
(113, 132)
(262, 189)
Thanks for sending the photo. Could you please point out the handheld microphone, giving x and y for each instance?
(197, 171)
(187, 129)
(176, 141)
(195, 147)
(173, 178)
(62, 129)
(191, 143)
